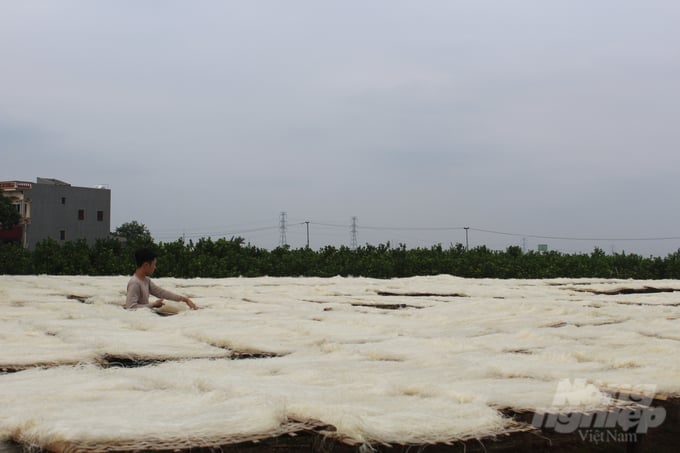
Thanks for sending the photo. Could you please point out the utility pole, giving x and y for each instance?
(353, 243)
(282, 228)
(467, 244)
(307, 222)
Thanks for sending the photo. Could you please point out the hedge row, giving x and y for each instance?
(232, 258)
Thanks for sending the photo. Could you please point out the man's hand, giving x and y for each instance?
(189, 302)
(157, 304)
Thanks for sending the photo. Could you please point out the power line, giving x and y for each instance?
(571, 238)
(412, 228)
(368, 227)
(354, 229)
(217, 233)
(522, 235)
(332, 225)
(231, 233)
(207, 228)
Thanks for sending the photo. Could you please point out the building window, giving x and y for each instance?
(63, 200)
(81, 214)
(62, 235)
(100, 216)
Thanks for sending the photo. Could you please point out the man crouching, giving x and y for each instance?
(140, 285)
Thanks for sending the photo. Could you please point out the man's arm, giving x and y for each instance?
(189, 302)
(165, 294)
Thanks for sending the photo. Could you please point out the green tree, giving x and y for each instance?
(135, 233)
(9, 216)
(49, 259)
(15, 259)
(108, 258)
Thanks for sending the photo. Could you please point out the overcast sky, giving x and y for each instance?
(531, 117)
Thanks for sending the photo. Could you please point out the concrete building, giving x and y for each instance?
(50, 208)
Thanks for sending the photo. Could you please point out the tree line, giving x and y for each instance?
(232, 257)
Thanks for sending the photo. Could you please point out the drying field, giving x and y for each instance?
(344, 363)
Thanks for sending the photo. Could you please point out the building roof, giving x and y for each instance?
(14, 185)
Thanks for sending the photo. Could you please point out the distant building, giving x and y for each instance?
(50, 208)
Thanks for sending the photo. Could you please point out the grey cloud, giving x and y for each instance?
(517, 116)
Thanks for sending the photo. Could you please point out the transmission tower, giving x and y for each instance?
(353, 244)
(282, 227)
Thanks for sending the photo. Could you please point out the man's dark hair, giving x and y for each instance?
(144, 256)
